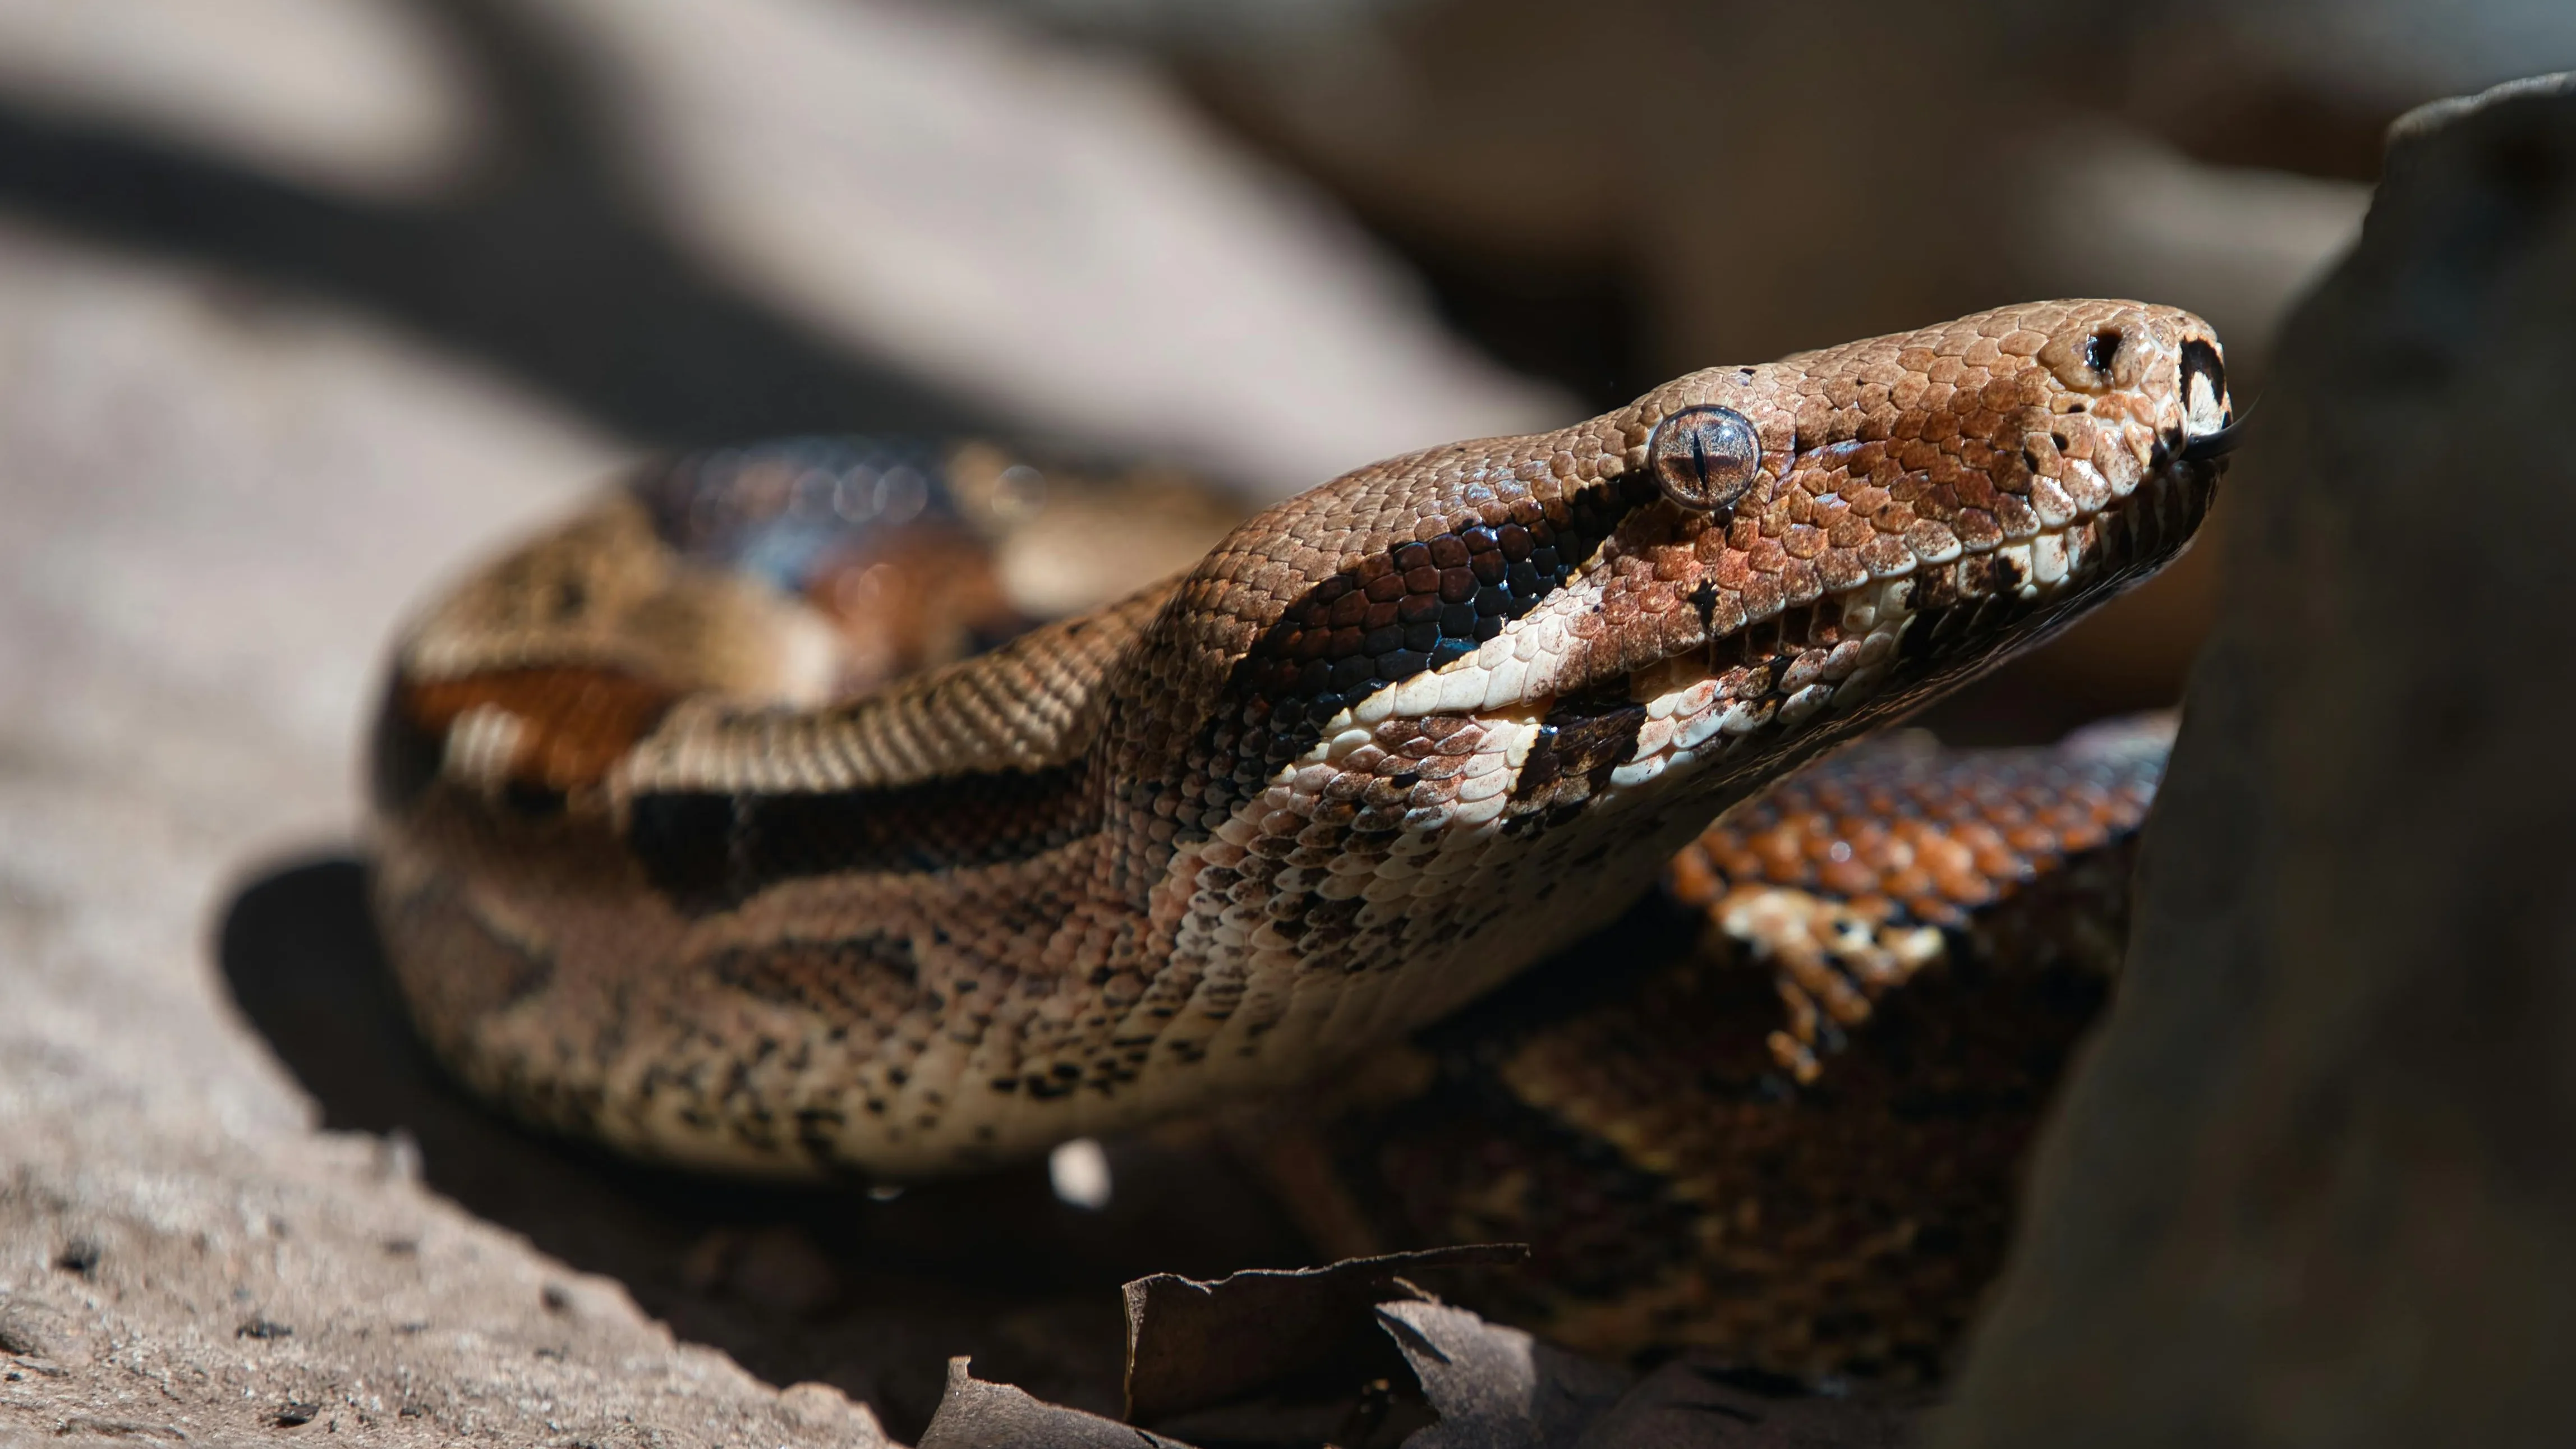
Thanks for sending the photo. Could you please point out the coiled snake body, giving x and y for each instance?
(668, 859)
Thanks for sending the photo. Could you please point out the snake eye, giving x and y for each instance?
(1705, 457)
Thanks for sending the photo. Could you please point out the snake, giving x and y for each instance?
(1794, 1140)
(736, 822)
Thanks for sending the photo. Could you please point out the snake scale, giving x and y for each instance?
(689, 845)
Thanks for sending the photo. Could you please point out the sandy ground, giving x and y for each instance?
(215, 502)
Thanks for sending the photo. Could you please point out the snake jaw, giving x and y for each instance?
(1748, 640)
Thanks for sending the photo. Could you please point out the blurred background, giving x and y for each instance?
(1264, 240)
(305, 303)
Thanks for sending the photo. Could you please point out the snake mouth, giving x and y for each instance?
(1808, 566)
(1850, 655)
(1948, 615)
(2218, 442)
(1902, 630)
(2110, 482)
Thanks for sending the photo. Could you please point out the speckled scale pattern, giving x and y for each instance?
(1684, 1188)
(1916, 835)
(1242, 825)
(1845, 880)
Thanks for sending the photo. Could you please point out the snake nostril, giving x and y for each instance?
(2101, 349)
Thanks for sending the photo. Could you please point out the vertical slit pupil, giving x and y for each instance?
(1704, 457)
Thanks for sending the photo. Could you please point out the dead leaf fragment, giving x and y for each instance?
(1192, 1344)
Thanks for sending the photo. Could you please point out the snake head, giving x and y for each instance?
(1678, 601)
(1920, 508)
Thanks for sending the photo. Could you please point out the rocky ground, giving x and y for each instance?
(215, 499)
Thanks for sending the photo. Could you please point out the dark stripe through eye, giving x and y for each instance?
(1419, 606)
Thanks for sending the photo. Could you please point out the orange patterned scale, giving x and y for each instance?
(1828, 1198)
(1901, 833)
(571, 723)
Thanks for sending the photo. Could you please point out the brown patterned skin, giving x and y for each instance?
(1390, 742)
(1690, 1170)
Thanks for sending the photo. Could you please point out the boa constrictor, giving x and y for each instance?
(678, 849)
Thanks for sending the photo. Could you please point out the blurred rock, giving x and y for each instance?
(1777, 177)
(2356, 58)
(355, 95)
(2127, 216)
(2315, 1185)
(1657, 185)
(701, 220)
(1043, 229)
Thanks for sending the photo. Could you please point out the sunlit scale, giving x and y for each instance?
(1693, 713)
